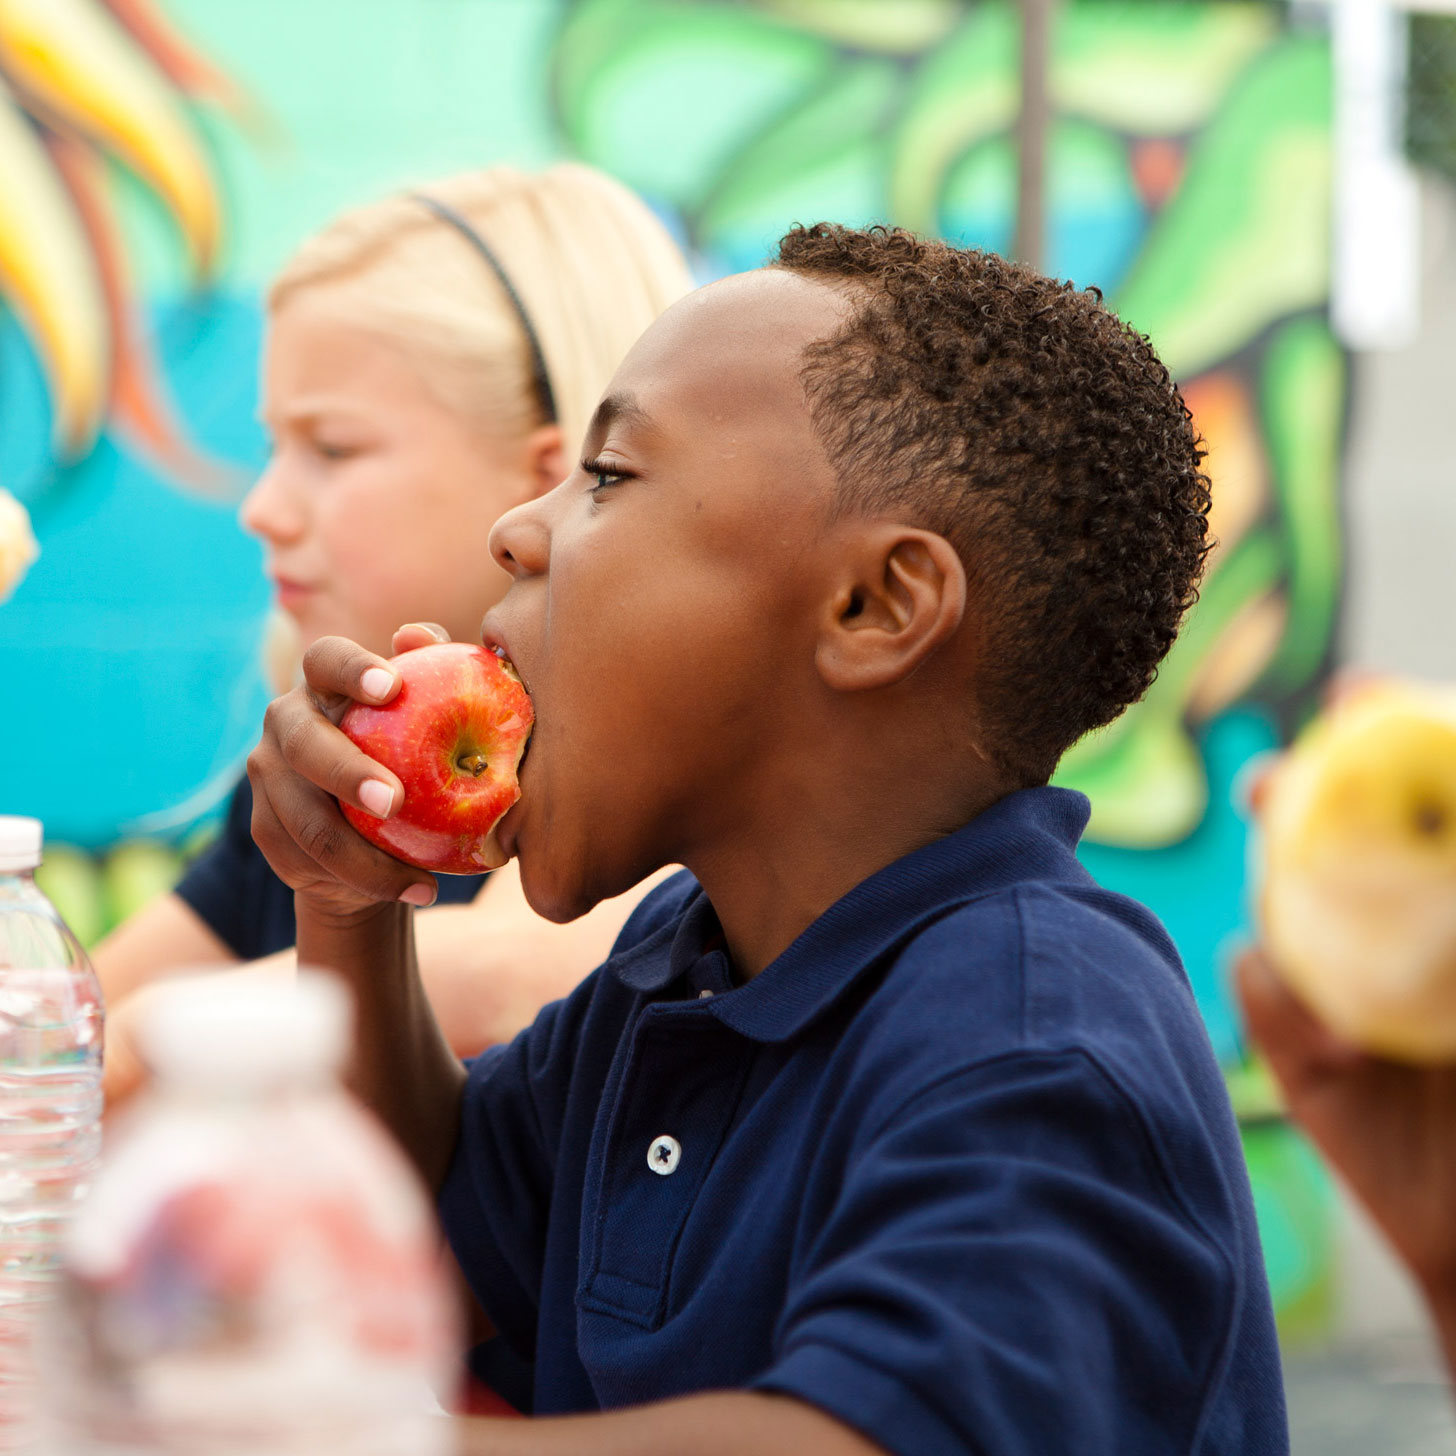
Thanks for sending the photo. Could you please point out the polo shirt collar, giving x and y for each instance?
(1029, 835)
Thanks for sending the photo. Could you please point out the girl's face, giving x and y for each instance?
(377, 504)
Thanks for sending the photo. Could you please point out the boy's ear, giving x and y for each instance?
(902, 594)
(547, 460)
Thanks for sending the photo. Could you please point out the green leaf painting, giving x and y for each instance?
(1154, 70)
(1188, 172)
(708, 77)
(1189, 166)
(1246, 239)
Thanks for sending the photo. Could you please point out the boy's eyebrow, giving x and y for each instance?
(621, 408)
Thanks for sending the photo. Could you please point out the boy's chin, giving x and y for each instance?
(553, 891)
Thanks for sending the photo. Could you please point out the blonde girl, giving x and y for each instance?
(431, 360)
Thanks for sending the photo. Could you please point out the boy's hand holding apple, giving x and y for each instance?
(1350, 1000)
(348, 892)
(304, 767)
(1388, 1127)
(454, 734)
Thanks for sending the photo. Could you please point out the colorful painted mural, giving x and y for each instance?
(87, 83)
(1189, 179)
(110, 431)
(161, 159)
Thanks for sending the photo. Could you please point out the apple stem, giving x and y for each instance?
(472, 763)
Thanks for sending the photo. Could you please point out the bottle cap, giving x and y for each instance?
(20, 842)
(245, 1028)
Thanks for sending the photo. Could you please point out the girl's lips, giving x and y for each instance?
(290, 593)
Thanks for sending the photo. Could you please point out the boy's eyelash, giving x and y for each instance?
(605, 476)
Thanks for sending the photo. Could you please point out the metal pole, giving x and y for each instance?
(1029, 245)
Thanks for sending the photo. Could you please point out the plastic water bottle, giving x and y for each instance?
(256, 1269)
(50, 1110)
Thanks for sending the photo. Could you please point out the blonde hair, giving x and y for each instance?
(589, 261)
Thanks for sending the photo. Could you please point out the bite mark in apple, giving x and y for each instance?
(454, 735)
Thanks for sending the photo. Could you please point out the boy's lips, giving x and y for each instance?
(492, 641)
(505, 829)
(509, 823)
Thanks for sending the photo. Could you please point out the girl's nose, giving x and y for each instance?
(271, 509)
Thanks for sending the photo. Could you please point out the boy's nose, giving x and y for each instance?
(521, 539)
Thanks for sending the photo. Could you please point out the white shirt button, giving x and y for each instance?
(663, 1155)
(704, 994)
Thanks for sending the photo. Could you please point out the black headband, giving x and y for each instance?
(544, 392)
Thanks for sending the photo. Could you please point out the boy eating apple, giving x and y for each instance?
(884, 1129)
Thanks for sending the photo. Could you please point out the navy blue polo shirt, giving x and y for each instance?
(958, 1168)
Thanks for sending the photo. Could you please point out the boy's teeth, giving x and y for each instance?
(505, 662)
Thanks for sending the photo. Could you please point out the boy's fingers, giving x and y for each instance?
(418, 634)
(1350, 682)
(301, 831)
(1254, 778)
(310, 745)
(338, 672)
(1259, 783)
(1298, 1045)
(1265, 1002)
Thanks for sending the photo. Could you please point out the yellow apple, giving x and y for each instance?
(1358, 900)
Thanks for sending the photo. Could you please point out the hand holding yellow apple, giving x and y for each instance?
(1358, 894)
(1352, 998)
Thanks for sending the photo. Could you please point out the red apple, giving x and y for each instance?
(454, 734)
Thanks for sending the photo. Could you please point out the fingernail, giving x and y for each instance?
(377, 797)
(376, 682)
(421, 895)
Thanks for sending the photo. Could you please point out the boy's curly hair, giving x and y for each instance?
(1021, 419)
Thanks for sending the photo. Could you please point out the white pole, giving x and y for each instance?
(1032, 133)
(1375, 297)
